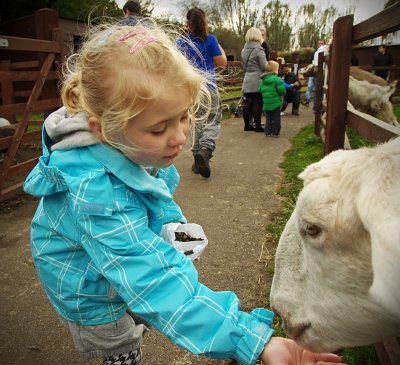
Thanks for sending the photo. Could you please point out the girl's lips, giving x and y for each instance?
(171, 157)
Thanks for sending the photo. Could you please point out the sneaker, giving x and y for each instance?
(269, 135)
(202, 161)
(259, 129)
(275, 135)
(295, 112)
(282, 113)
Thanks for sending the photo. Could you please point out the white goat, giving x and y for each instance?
(368, 93)
(337, 266)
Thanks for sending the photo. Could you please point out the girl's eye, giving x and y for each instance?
(161, 131)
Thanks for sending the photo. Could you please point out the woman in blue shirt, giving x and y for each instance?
(205, 53)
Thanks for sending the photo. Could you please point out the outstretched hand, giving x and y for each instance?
(282, 351)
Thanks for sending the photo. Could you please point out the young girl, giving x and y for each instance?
(106, 179)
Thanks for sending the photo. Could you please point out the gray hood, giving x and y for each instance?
(68, 131)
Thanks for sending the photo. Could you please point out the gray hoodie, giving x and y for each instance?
(68, 131)
(254, 60)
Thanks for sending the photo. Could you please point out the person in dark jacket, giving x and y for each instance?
(264, 43)
(132, 10)
(292, 91)
(382, 58)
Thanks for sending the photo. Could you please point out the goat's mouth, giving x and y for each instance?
(297, 336)
(297, 332)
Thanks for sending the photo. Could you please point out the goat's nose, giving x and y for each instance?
(291, 328)
(294, 330)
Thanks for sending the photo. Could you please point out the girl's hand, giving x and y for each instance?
(282, 351)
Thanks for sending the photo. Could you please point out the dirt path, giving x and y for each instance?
(233, 206)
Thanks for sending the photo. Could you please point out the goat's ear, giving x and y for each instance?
(378, 205)
(328, 166)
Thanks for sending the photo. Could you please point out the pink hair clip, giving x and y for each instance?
(141, 42)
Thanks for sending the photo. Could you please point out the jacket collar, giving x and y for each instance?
(132, 174)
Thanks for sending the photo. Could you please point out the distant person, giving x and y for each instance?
(292, 89)
(310, 86)
(382, 58)
(253, 60)
(264, 44)
(205, 53)
(132, 10)
(272, 90)
(322, 47)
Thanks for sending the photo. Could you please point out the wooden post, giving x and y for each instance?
(339, 69)
(46, 21)
(7, 90)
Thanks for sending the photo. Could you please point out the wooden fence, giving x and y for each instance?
(345, 35)
(28, 86)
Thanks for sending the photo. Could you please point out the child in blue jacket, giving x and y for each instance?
(106, 179)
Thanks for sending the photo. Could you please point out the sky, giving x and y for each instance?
(364, 9)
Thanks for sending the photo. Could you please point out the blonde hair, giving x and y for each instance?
(272, 66)
(253, 35)
(120, 70)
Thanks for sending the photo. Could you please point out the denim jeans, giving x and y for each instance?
(273, 124)
(310, 88)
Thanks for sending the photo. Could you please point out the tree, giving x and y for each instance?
(92, 10)
(316, 24)
(237, 15)
(275, 18)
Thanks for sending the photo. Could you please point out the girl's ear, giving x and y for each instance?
(95, 127)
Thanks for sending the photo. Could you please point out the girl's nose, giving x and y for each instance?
(179, 135)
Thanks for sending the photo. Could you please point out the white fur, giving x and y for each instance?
(4, 122)
(368, 93)
(341, 287)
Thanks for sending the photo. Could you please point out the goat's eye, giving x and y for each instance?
(311, 229)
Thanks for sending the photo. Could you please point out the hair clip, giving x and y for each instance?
(132, 33)
(141, 42)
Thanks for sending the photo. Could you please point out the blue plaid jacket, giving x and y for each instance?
(97, 250)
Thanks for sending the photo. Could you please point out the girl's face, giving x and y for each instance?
(160, 131)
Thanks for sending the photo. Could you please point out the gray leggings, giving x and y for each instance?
(207, 132)
(110, 339)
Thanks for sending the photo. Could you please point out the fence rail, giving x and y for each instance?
(28, 86)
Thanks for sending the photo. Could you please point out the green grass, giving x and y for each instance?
(307, 149)
(396, 110)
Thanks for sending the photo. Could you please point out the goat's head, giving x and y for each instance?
(338, 260)
(308, 71)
